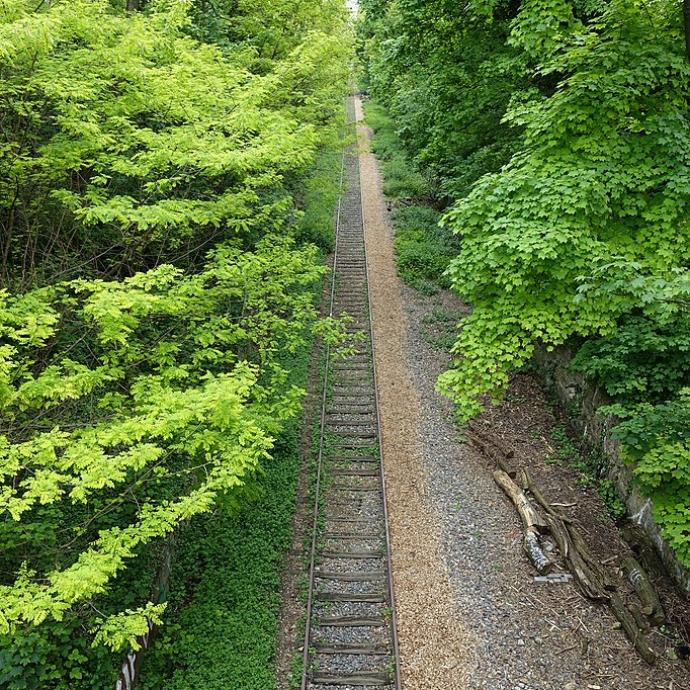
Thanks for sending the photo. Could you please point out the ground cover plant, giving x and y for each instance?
(159, 204)
(560, 131)
(423, 248)
(222, 618)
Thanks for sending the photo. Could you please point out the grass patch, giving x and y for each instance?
(440, 328)
(317, 199)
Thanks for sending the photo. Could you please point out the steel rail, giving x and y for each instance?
(319, 460)
(366, 302)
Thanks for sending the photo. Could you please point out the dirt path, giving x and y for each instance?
(469, 613)
(436, 651)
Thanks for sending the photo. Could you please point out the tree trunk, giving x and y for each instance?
(533, 522)
(634, 634)
(645, 590)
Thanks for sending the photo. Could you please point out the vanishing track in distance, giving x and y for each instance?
(350, 636)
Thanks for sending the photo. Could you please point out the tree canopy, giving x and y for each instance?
(156, 167)
(558, 136)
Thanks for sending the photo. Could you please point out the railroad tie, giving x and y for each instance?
(350, 580)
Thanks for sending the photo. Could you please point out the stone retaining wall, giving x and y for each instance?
(583, 398)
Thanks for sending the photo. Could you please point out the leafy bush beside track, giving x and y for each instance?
(423, 249)
(222, 619)
(161, 178)
(561, 131)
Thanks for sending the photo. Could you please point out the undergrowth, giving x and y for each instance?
(221, 629)
(222, 623)
(423, 249)
(644, 367)
(400, 179)
(591, 464)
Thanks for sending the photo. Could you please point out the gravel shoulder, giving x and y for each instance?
(435, 648)
(469, 612)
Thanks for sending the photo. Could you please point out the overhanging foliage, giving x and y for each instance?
(560, 130)
(154, 171)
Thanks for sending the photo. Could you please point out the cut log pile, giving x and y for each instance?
(544, 524)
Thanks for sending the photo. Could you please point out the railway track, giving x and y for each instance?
(350, 633)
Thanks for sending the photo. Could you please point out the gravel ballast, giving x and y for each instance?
(436, 649)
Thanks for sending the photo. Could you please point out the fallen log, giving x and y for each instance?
(586, 579)
(642, 548)
(637, 577)
(635, 635)
(641, 620)
(532, 521)
(590, 576)
(529, 514)
(592, 562)
(490, 450)
(529, 485)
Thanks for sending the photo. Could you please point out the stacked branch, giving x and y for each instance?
(531, 519)
(591, 577)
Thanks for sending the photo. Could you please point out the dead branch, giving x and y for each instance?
(637, 577)
(635, 635)
(532, 521)
(490, 450)
(589, 573)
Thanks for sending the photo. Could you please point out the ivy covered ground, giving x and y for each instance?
(554, 138)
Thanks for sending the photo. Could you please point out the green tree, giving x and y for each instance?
(153, 176)
(560, 130)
